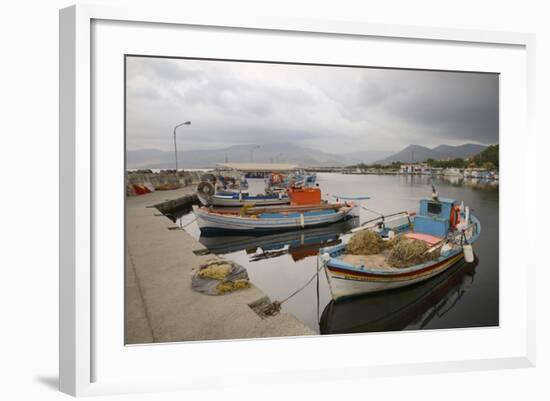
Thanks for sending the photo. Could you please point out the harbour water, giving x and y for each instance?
(286, 263)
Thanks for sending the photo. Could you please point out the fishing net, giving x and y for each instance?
(219, 276)
(228, 286)
(365, 243)
(409, 252)
(216, 270)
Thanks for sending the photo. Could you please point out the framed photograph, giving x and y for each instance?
(236, 195)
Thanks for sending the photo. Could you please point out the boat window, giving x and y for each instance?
(434, 208)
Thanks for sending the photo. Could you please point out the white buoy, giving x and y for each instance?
(468, 253)
(391, 234)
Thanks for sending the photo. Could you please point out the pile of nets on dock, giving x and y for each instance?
(400, 250)
(218, 277)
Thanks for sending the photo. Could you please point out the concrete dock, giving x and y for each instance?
(160, 304)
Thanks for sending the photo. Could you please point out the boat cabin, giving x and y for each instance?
(437, 217)
(304, 196)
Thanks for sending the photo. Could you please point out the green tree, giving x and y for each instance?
(489, 155)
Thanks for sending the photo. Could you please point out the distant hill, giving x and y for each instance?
(290, 153)
(419, 153)
(366, 157)
(460, 151)
(272, 153)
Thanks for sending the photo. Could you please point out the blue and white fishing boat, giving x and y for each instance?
(445, 225)
(311, 178)
(237, 199)
(214, 192)
(270, 218)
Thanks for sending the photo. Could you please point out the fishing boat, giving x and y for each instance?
(311, 178)
(452, 172)
(212, 192)
(445, 226)
(239, 198)
(306, 210)
(270, 218)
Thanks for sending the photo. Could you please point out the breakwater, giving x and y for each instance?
(145, 181)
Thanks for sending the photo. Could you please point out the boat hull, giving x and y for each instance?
(347, 284)
(214, 223)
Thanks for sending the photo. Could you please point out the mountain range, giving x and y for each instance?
(290, 153)
(417, 153)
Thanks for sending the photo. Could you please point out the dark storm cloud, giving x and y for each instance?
(331, 109)
(451, 105)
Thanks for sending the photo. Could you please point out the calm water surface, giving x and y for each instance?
(280, 264)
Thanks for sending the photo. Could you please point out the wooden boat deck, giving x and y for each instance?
(379, 260)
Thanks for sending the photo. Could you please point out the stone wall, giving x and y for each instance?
(165, 179)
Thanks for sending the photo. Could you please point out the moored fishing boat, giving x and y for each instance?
(307, 210)
(270, 218)
(453, 172)
(228, 192)
(236, 199)
(443, 227)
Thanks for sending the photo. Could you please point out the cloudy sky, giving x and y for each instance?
(333, 109)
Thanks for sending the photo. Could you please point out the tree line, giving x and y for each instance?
(487, 159)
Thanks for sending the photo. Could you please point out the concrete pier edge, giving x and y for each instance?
(160, 305)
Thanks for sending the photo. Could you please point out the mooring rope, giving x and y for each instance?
(186, 224)
(275, 307)
(372, 211)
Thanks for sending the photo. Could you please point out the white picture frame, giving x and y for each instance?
(80, 373)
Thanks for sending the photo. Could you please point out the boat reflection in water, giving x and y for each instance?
(406, 308)
(298, 243)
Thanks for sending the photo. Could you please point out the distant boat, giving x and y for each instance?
(225, 191)
(236, 199)
(444, 225)
(452, 172)
(311, 178)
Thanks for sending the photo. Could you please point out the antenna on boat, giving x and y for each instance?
(435, 195)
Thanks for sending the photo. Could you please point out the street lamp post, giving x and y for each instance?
(176, 146)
